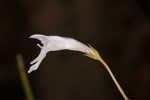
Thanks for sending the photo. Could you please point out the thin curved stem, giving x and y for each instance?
(114, 80)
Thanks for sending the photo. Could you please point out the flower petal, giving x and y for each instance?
(55, 43)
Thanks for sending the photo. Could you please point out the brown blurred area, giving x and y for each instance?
(118, 29)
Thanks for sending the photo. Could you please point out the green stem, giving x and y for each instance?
(24, 79)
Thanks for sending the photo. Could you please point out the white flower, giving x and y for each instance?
(55, 43)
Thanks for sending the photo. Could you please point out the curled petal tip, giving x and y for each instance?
(32, 62)
(33, 67)
(39, 45)
(42, 38)
(29, 71)
(32, 36)
(35, 36)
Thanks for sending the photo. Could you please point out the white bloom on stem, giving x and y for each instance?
(56, 43)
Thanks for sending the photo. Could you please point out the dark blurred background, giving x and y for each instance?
(118, 29)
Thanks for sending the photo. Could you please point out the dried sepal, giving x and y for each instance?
(93, 53)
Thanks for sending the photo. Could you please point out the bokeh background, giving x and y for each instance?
(118, 29)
